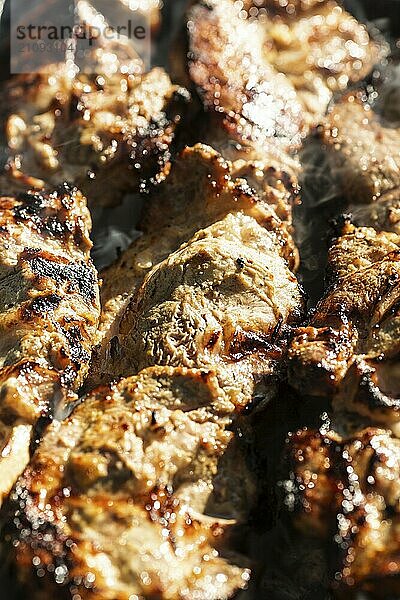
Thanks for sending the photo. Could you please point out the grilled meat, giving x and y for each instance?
(346, 491)
(106, 134)
(222, 301)
(254, 111)
(50, 312)
(319, 46)
(269, 77)
(367, 165)
(135, 495)
(201, 191)
(350, 350)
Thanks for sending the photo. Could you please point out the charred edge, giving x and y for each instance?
(79, 276)
(40, 307)
(38, 209)
(246, 192)
(31, 534)
(245, 343)
(74, 338)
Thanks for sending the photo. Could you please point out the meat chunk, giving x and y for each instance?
(222, 301)
(253, 108)
(105, 133)
(270, 76)
(319, 46)
(200, 191)
(346, 491)
(135, 495)
(49, 306)
(364, 149)
(350, 349)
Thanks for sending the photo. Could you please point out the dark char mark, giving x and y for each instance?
(41, 211)
(74, 338)
(81, 277)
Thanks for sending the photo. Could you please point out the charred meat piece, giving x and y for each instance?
(254, 111)
(367, 165)
(104, 133)
(201, 191)
(346, 491)
(50, 311)
(350, 350)
(270, 76)
(225, 301)
(319, 46)
(135, 495)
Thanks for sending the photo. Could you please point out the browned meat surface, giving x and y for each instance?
(254, 110)
(319, 46)
(49, 310)
(269, 77)
(368, 163)
(347, 492)
(202, 195)
(350, 349)
(223, 301)
(106, 133)
(136, 495)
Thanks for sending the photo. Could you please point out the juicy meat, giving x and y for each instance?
(254, 110)
(319, 46)
(270, 76)
(135, 495)
(201, 193)
(222, 301)
(49, 310)
(106, 134)
(364, 149)
(347, 492)
(350, 350)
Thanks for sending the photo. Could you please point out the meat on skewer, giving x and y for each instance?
(366, 165)
(49, 301)
(346, 492)
(135, 495)
(158, 450)
(202, 190)
(106, 133)
(268, 72)
(343, 481)
(351, 343)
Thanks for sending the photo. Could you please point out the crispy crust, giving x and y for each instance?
(105, 134)
(49, 303)
(351, 343)
(136, 493)
(346, 491)
(202, 189)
